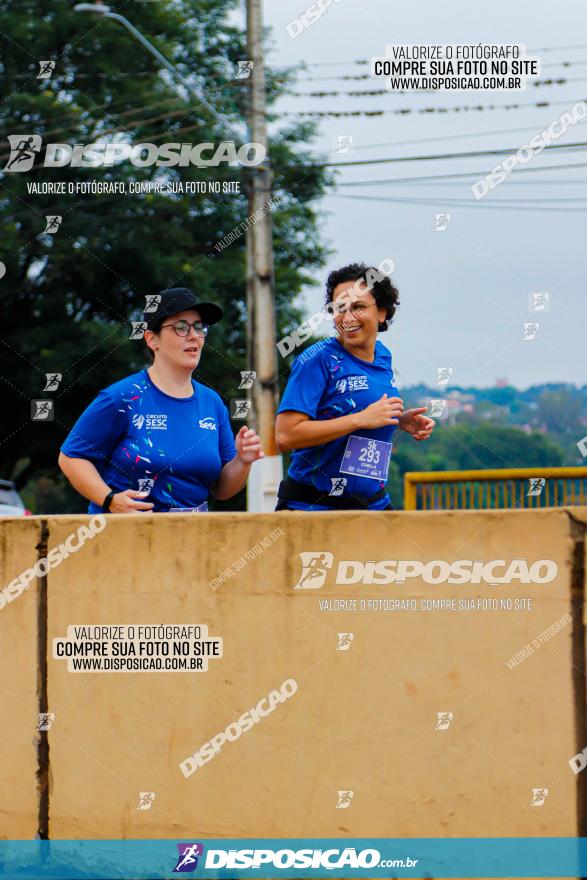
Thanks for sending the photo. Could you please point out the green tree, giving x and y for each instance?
(560, 411)
(66, 299)
(465, 447)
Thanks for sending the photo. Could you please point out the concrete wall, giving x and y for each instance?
(19, 699)
(363, 719)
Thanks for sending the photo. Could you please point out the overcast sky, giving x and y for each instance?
(464, 291)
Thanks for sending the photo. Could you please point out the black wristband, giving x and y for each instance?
(108, 500)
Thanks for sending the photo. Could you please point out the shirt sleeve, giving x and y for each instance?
(226, 445)
(97, 431)
(306, 385)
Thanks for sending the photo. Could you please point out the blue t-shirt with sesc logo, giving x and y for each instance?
(139, 437)
(327, 382)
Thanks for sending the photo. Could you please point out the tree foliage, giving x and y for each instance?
(66, 299)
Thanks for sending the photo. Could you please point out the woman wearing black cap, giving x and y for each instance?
(158, 440)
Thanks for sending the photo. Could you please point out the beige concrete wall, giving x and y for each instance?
(362, 719)
(18, 684)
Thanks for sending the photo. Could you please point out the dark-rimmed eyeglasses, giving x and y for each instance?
(182, 328)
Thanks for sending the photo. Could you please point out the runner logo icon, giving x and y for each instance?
(187, 859)
(314, 568)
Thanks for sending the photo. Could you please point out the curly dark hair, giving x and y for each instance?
(385, 293)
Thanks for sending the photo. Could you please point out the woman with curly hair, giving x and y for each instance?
(341, 408)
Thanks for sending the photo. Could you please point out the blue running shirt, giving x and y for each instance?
(134, 432)
(326, 382)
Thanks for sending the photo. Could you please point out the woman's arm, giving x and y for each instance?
(233, 477)
(234, 474)
(85, 479)
(95, 435)
(296, 430)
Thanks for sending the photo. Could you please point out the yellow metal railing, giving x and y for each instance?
(490, 489)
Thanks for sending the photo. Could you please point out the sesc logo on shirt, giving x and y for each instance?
(151, 421)
(352, 383)
(156, 422)
(208, 423)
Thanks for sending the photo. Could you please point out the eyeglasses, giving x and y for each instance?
(355, 308)
(182, 328)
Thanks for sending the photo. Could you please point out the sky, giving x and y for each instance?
(463, 291)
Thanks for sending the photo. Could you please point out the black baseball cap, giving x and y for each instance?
(177, 299)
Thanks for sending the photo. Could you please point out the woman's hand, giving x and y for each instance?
(248, 445)
(415, 423)
(385, 411)
(123, 502)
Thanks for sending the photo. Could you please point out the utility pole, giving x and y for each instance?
(261, 339)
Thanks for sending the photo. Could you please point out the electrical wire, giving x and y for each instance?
(543, 49)
(459, 175)
(419, 110)
(443, 137)
(430, 181)
(373, 93)
(71, 115)
(442, 156)
(478, 206)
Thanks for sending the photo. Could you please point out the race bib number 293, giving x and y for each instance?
(366, 458)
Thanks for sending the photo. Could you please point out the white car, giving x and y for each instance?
(10, 501)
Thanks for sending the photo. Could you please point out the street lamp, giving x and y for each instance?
(106, 12)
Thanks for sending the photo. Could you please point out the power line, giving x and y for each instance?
(368, 76)
(431, 181)
(564, 64)
(440, 156)
(360, 61)
(444, 137)
(502, 201)
(478, 174)
(77, 75)
(175, 132)
(138, 123)
(458, 203)
(346, 76)
(79, 111)
(558, 48)
(409, 110)
(409, 142)
(373, 93)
